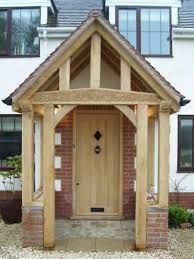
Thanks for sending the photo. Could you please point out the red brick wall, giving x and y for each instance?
(63, 199)
(184, 199)
(129, 174)
(32, 226)
(157, 228)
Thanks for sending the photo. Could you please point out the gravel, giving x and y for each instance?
(181, 246)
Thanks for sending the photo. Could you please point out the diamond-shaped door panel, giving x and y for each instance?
(97, 135)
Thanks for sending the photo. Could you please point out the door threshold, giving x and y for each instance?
(98, 217)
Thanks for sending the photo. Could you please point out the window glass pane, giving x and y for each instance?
(127, 25)
(155, 43)
(7, 123)
(186, 139)
(155, 20)
(145, 47)
(155, 31)
(165, 21)
(18, 123)
(24, 40)
(132, 38)
(165, 41)
(9, 149)
(123, 20)
(145, 20)
(3, 32)
(131, 17)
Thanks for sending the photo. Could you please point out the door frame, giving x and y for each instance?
(74, 200)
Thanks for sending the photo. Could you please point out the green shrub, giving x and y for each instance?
(177, 216)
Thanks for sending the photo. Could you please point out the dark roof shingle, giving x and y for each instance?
(186, 14)
(71, 13)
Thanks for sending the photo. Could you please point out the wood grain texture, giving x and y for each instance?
(128, 112)
(98, 174)
(63, 111)
(27, 156)
(164, 150)
(151, 150)
(64, 76)
(125, 76)
(95, 61)
(141, 175)
(95, 96)
(49, 176)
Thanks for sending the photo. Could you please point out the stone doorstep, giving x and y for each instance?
(94, 245)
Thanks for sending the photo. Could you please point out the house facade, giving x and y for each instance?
(162, 31)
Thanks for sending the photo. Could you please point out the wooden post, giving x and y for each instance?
(141, 175)
(125, 76)
(49, 176)
(27, 155)
(151, 150)
(95, 61)
(64, 76)
(164, 150)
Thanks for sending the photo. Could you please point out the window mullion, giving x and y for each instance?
(138, 28)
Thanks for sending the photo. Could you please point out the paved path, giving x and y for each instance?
(91, 235)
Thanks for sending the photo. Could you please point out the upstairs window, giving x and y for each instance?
(18, 32)
(186, 143)
(147, 29)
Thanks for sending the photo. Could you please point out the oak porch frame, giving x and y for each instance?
(140, 120)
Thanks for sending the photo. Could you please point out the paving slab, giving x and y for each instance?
(81, 244)
(109, 245)
(61, 245)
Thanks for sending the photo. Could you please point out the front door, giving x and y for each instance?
(97, 164)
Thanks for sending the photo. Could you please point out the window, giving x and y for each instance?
(10, 137)
(186, 143)
(18, 32)
(147, 29)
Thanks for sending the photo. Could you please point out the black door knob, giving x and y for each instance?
(77, 184)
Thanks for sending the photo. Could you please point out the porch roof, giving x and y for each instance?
(97, 18)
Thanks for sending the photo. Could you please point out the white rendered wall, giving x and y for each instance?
(179, 71)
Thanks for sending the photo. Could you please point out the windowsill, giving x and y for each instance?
(21, 56)
(185, 172)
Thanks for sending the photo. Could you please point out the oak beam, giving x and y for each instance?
(164, 150)
(64, 76)
(48, 176)
(125, 76)
(95, 96)
(151, 151)
(27, 155)
(141, 175)
(95, 62)
(62, 113)
(128, 112)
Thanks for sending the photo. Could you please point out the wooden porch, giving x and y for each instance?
(140, 95)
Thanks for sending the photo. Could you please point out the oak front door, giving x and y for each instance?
(97, 164)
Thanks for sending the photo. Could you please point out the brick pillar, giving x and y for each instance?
(129, 173)
(157, 228)
(32, 226)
